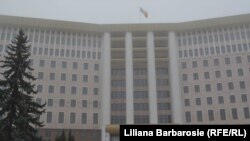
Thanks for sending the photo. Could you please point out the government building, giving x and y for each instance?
(95, 77)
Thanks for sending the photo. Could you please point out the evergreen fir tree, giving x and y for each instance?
(19, 113)
(61, 137)
(71, 137)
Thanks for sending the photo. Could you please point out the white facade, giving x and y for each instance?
(93, 75)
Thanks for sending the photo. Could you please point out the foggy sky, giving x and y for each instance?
(124, 11)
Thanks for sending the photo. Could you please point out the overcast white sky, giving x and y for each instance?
(124, 11)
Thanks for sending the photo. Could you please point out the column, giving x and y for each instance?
(152, 79)
(106, 88)
(129, 79)
(174, 80)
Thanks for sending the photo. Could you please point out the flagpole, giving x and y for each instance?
(139, 16)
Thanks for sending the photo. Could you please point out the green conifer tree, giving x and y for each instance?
(19, 113)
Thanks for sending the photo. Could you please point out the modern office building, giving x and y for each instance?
(95, 76)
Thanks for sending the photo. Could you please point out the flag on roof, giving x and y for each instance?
(145, 13)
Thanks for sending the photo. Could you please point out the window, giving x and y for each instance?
(50, 102)
(230, 86)
(184, 77)
(52, 76)
(61, 117)
(217, 49)
(232, 99)
(72, 118)
(183, 65)
(219, 87)
(95, 118)
(63, 76)
(216, 62)
(73, 53)
(239, 48)
(62, 89)
(210, 115)
(164, 119)
(141, 106)
(96, 67)
(74, 65)
(40, 75)
(67, 52)
(73, 103)
(62, 53)
(196, 76)
(186, 102)
(223, 49)
(199, 116)
(188, 116)
(85, 66)
(180, 54)
(205, 63)
(201, 52)
(51, 89)
(198, 101)
(141, 119)
(57, 52)
(64, 64)
(39, 88)
(240, 72)
(208, 87)
(248, 58)
(84, 118)
(96, 79)
(234, 48)
(41, 63)
(246, 112)
(227, 61)
(161, 106)
(196, 52)
(244, 98)
(49, 117)
(74, 77)
(163, 94)
(40, 51)
(73, 90)
(228, 48)
(207, 51)
(229, 73)
(83, 54)
(95, 104)
(209, 101)
(221, 99)
(194, 63)
(222, 114)
(52, 64)
(197, 88)
(242, 85)
(84, 103)
(46, 51)
(212, 50)
(238, 59)
(61, 102)
(217, 74)
(161, 82)
(206, 75)
(78, 54)
(85, 78)
(122, 106)
(185, 89)
(85, 90)
(95, 91)
(234, 113)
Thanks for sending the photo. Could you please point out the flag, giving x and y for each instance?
(145, 13)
